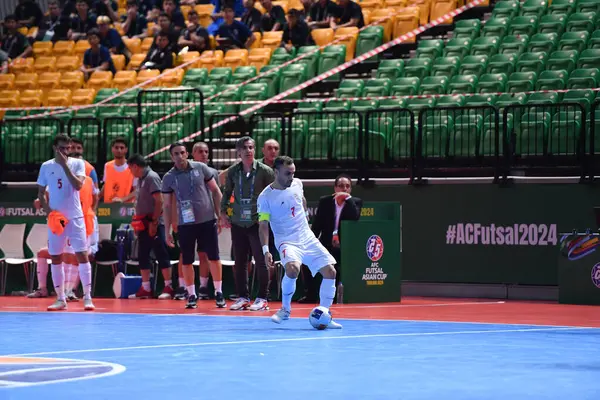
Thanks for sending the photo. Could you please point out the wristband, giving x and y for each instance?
(265, 249)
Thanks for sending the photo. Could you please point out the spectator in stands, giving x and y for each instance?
(82, 22)
(107, 8)
(218, 13)
(134, 23)
(349, 14)
(194, 36)
(28, 13)
(295, 32)
(332, 209)
(307, 4)
(322, 14)
(270, 152)
(110, 38)
(252, 17)
(14, 44)
(274, 18)
(54, 26)
(165, 26)
(97, 57)
(177, 19)
(119, 183)
(160, 55)
(69, 8)
(233, 34)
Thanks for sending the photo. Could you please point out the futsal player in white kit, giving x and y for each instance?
(283, 206)
(63, 178)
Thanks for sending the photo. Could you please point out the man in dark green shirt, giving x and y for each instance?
(246, 180)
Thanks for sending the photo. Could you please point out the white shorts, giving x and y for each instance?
(91, 242)
(74, 235)
(312, 254)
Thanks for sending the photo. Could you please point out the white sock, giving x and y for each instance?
(191, 290)
(288, 288)
(58, 279)
(218, 286)
(146, 286)
(181, 282)
(168, 283)
(85, 274)
(67, 271)
(327, 292)
(42, 272)
(203, 281)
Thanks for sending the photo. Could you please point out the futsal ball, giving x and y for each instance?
(319, 318)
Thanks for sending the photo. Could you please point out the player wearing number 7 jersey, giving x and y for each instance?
(283, 206)
(63, 178)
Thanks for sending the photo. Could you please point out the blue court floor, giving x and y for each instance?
(152, 356)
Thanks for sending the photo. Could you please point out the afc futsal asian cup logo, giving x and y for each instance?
(374, 248)
(596, 275)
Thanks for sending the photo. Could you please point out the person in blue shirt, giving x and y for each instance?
(110, 38)
(238, 9)
(97, 57)
(233, 34)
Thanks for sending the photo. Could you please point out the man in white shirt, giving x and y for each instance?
(283, 206)
(63, 177)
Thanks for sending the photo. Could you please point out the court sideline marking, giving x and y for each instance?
(302, 339)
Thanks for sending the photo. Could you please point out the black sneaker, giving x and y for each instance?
(220, 300)
(181, 294)
(233, 297)
(192, 302)
(203, 293)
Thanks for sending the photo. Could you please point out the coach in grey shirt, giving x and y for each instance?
(148, 224)
(191, 183)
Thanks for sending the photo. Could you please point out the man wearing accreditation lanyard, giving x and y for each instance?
(191, 182)
(245, 180)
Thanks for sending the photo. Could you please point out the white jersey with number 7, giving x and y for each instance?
(284, 209)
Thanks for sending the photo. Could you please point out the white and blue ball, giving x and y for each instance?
(319, 317)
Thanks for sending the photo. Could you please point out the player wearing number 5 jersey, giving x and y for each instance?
(63, 177)
(283, 206)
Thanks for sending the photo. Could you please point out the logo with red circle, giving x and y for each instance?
(375, 248)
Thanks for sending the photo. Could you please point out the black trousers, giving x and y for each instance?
(246, 241)
(312, 284)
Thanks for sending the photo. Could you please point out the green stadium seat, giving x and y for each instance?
(420, 103)
(377, 87)
(311, 61)
(456, 100)
(514, 45)
(457, 48)
(589, 58)
(130, 97)
(110, 112)
(434, 85)
(331, 57)
(530, 132)
(40, 141)
(391, 69)
(523, 25)
(564, 134)
(350, 88)
(346, 143)
(406, 86)
(562, 7)
(495, 27)
(435, 131)
(531, 62)
(588, 6)
(502, 64)
(543, 98)
(230, 93)
(464, 138)
(506, 9)
(534, 8)
(337, 105)
(462, 84)
(545, 42)
(473, 65)
(195, 77)
(578, 22)
(310, 106)
(552, 24)
(489, 133)
(492, 83)
(164, 136)
(594, 42)
(573, 41)
(552, 80)
(485, 46)
(243, 73)
(299, 134)
(16, 141)
(292, 76)
(562, 60)
(467, 28)
(418, 68)
(445, 66)
(481, 100)
(253, 92)
(281, 55)
(207, 90)
(272, 79)
(362, 106)
(506, 99)
(430, 48)
(220, 76)
(375, 150)
(105, 93)
(392, 103)
(584, 97)
(584, 78)
(368, 39)
(521, 82)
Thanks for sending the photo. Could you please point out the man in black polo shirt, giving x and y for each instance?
(14, 44)
(322, 14)
(159, 57)
(274, 18)
(349, 14)
(295, 32)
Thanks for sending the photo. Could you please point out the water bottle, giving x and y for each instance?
(340, 293)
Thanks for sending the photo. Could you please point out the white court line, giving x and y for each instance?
(20, 307)
(283, 340)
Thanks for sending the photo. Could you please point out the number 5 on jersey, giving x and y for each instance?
(59, 182)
